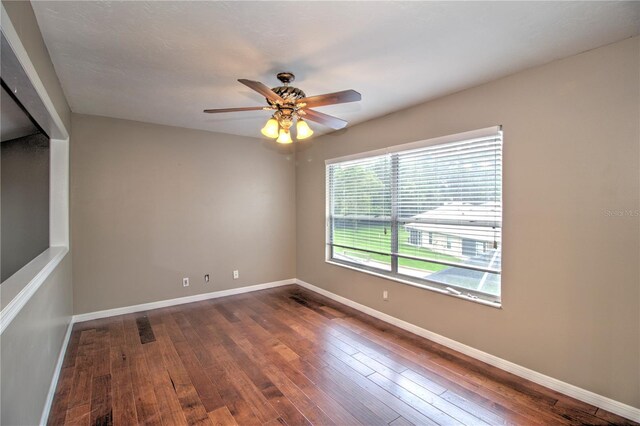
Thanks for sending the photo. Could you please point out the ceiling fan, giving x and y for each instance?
(290, 104)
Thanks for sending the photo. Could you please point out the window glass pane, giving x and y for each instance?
(363, 258)
(368, 235)
(427, 245)
(361, 189)
(458, 277)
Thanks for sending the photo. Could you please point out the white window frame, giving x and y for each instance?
(424, 283)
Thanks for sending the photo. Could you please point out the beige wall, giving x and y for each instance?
(30, 348)
(571, 292)
(151, 204)
(30, 345)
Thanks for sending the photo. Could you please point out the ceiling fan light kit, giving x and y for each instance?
(290, 104)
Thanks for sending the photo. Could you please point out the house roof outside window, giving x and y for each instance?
(480, 222)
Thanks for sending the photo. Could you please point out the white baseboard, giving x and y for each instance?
(178, 301)
(583, 395)
(56, 375)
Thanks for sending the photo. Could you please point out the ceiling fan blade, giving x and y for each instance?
(233, 109)
(331, 98)
(262, 89)
(327, 120)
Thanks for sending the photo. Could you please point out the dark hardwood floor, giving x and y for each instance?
(287, 356)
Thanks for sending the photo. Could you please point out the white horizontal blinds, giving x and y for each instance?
(360, 211)
(450, 212)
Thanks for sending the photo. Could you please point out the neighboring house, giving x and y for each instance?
(462, 230)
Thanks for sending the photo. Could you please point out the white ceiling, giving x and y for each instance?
(14, 122)
(164, 62)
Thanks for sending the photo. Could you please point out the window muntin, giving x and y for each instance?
(430, 214)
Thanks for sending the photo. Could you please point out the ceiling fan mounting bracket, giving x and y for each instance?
(286, 77)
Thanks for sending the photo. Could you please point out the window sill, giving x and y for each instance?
(16, 290)
(497, 305)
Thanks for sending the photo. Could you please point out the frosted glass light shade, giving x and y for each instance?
(285, 137)
(303, 129)
(270, 129)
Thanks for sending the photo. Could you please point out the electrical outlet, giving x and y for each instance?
(206, 278)
(385, 295)
(236, 274)
(185, 282)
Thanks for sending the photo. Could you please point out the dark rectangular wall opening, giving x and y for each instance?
(24, 189)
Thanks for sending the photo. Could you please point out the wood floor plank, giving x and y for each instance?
(61, 397)
(249, 392)
(101, 409)
(288, 412)
(566, 402)
(147, 408)
(328, 405)
(348, 400)
(307, 408)
(425, 407)
(274, 325)
(434, 399)
(192, 406)
(79, 415)
(496, 403)
(101, 363)
(239, 408)
(81, 387)
(306, 323)
(430, 394)
(477, 410)
(123, 401)
(326, 344)
(188, 328)
(206, 390)
(287, 356)
(613, 418)
(222, 417)
(168, 403)
(391, 400)
(243, 384)
(401, 421)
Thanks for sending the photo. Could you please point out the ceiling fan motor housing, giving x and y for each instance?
(288, 93)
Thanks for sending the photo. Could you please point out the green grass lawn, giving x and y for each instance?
(373, 237)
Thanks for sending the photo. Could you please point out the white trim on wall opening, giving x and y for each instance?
(22, 77)
(59, 193)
